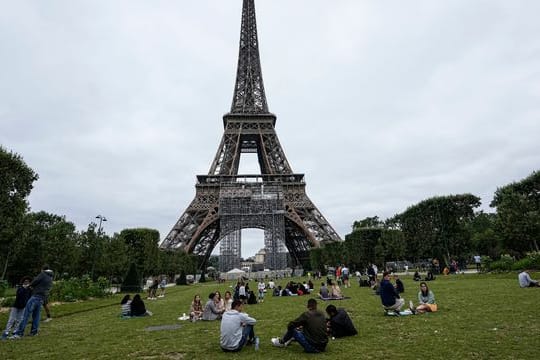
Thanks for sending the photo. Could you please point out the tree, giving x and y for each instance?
(16, 183)
(360, 244)
(115, 257)
(518, 214)
(143, 249)
(90, 245)
(46, 239)
(369, 222)
(437, 227)
(485, 240)
(132, 280)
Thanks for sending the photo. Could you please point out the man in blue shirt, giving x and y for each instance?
(389, 296)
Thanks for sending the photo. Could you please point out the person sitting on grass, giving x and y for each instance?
(335, 292)
(309, 329)
(237, 329)
(389, 297)
(211, 311)
(138, 308)
(228, 300)
(220, 303)
(416, 276)
(339, 323)
(400, 288)
(196, 309)
(125, 305)
(426, 301)
(525, 280)
(323, 292)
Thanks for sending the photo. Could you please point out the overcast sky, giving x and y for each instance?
(118, 105)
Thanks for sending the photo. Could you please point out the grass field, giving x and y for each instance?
(480, 317)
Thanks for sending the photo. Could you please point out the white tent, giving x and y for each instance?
(234, 274)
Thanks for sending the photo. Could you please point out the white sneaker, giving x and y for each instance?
(47, 320)
(277, 343)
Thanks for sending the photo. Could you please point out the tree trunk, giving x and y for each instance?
(5, 266)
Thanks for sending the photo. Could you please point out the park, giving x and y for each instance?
(481, 316)
(414, 149)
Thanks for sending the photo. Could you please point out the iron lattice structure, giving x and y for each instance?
(274, 200)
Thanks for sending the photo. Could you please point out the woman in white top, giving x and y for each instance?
(228, 300)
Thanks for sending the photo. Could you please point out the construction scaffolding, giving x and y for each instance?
(252, 204)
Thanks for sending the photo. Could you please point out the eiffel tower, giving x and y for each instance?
(274, 200)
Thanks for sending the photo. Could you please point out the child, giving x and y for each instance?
(17, 311)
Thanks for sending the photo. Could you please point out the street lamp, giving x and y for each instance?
(101, 220)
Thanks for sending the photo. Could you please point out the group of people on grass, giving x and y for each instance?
(330, 291)
(133, 307)
(311, 329)
(155, 287)
(32, 295)
(393, 302)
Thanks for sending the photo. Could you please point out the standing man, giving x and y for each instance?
(41, 285)
(309, 329)
(389, 296)
(237, 329)
(525, 280)
(478, 262)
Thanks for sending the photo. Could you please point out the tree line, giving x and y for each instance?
(442, 227)
(447, 228)
(30, 239)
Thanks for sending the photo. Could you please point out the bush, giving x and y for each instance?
(531, 261)
(504, 264)
(132, 282)
(3, 287)
(7, 302)
(485, 263)
(74, 289)
(182, 278)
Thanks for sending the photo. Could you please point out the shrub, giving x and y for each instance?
(74, 289)
(7, 302)
(485, 263)
(531, 261)
(181, 280)
(132, 282)
(505, 263)
(3, 287)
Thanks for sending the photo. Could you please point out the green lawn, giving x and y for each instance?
(480, 317)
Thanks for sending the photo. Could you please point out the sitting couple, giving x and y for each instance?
(133, 307)
(333, 293)
(391, 300)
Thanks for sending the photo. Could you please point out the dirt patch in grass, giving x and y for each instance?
(170, 355)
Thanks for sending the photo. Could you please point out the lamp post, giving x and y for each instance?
(101, 220)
